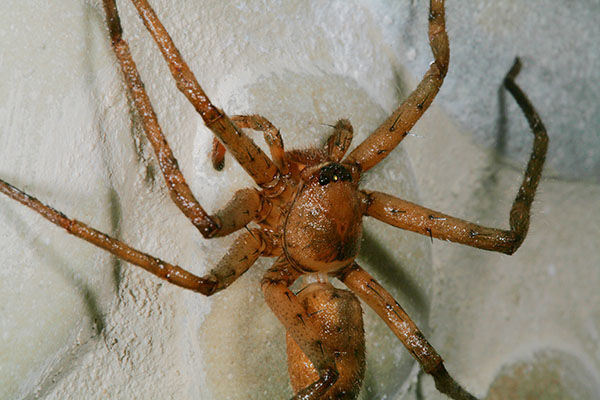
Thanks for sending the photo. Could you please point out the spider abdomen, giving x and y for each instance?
(338, 316)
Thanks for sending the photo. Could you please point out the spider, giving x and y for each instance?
(307, 213)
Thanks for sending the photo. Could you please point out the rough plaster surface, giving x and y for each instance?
(556, 41)
(535, 312)
(75, 323)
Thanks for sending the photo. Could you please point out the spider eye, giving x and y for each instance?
(332, 173)
(323, 179)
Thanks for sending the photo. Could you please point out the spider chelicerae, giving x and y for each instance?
(306, 212)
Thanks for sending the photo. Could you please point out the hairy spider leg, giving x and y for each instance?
(339, 142)
(336, 146)
(271, 134)
(252, 158)
(178, 188)
(381, 301)
(300, 325)
(241, 255)
(244, 207)
(410, 216)
(254, 161)
(391, 132)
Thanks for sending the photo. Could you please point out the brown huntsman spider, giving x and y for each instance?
(306, 211)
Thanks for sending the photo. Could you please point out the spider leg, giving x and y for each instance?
(336, 146)
(339, 142)
(300, 325)
(413, 217)
(391, 132)
(181, 193)
(381, 301)
(242, 254)
(410, 216)
(272, 137)
(244, 207)
(254, 161)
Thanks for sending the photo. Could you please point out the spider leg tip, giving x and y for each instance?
(514, 70)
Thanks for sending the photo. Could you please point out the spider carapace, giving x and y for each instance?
(323, 227)
(307, 212)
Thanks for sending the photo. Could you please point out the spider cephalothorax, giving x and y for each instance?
(323, 227)
(307, 212)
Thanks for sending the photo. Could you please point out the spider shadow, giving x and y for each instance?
(490, 180)
(488, 187)
(385, 266)
(94, 18)
(61, 264)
